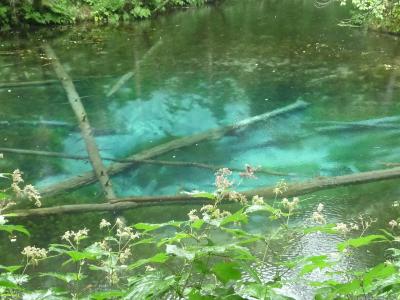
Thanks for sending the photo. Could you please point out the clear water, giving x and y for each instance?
(216, 65)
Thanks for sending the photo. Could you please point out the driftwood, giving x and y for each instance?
(391, 164)
(294, 189)
(84, 125)
(89, 177)
(124, 78)
(37, 123)
(143, 161)
(17, 84)
(385, 123)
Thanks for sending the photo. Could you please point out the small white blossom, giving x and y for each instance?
(34, 254)
(393, 224)
(257, 200)
(342, 228)
(192, 215)
(3, 220)
(104, 223)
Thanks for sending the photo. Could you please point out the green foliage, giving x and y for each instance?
(383, 15)
(209, 256)
(17, 13)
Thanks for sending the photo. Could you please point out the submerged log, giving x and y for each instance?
(89, 177)
(124, 78)
(143, 161)
(22, 84)
(86, 130)
(384, 123)
(294, 189)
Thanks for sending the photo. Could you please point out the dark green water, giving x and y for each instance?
(215, 66)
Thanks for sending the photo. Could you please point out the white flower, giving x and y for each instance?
(393, 224)
(17, 176)
(34, 254)
(319, 218)
(192, 215)
(104, 223)
(3, 220)
(342, 228)
(257, 200)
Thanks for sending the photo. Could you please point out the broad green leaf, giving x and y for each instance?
(114, 294)
(197, 224)
(237, 217)
(67, 277)
(10, 269)
(379, 272)
(79, 255)
(315, 262)
(3, 196)
(11, 228)
(180, 252)
(227, 271)
(151, 227)
(204, 195)
(174, 239)
(328, 228)
(361, 241)
(195, 295)
(158, 258)
(149, 286)
(8, 284)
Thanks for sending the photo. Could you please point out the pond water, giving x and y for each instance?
(208, 67)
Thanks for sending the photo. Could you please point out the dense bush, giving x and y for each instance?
(377, 14)
(209, 256)
(19, 12)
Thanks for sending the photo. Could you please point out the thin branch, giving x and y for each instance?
(124, 78)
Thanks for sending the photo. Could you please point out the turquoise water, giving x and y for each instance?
(214, 66)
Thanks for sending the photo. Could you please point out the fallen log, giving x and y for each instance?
(84, 125)
(89, 177)
(124, 78)
(143, 161)
(294, 189)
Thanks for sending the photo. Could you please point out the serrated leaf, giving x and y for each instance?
(227, 271)
(107, 295)
(151, 227)
(237, 217)
(80, 255)
(10, 269)
(361, 241)
(180, 252)
(12, 228)
(158, 258)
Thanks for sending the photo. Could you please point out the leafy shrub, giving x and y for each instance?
(209, 256)
(69, 11)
